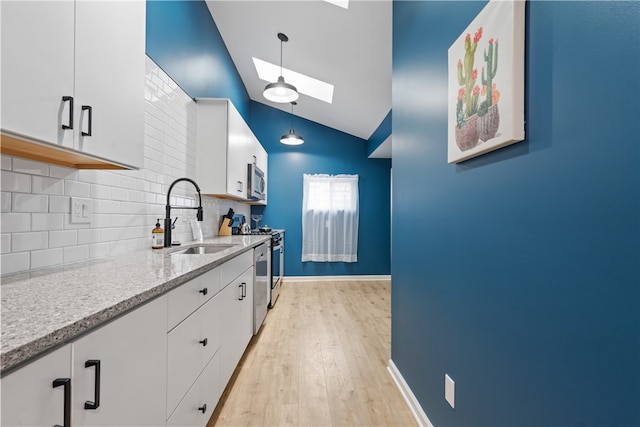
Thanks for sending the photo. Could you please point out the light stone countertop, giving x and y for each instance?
(44, 309)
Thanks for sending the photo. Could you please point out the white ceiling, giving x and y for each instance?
(349, 48)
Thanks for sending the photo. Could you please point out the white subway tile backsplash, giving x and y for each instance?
(100, 191)
(14, 262)
(60, 204)
(15, 222)
(58, 239)
(45, 185)
(91, 235)
(46, 258)
(21, 242)
(29, 202)
(75, 253)
(6, 163)
(30, 166)
(6, 201)
(5, 238)
(90, 176)
(77, 189)
(17, 182)
(99, 250)
(120, 194)
(47, 221)
(63, 172)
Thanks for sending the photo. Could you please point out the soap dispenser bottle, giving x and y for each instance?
(157, 237)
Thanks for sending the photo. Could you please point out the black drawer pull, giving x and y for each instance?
(204, 291)
(204, 342)
(203, 408)
(90, 110)
(244, 290)
(66, 382)
(70, 100)
(96, 393)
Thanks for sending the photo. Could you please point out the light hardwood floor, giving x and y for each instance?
(319, 360)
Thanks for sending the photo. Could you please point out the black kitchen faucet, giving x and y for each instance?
(167, 220)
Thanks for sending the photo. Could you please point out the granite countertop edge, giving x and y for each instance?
(44, 341)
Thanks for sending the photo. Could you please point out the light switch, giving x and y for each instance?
(80, 210)
(449, 390)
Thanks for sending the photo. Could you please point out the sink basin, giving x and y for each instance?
(202, 249)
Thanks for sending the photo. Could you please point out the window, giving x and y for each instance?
(330, 218)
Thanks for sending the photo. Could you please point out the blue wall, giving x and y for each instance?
(380, 134)
(329, 151)
(526, 285)
(184, 41)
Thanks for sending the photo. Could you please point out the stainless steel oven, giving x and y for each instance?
(277, 265)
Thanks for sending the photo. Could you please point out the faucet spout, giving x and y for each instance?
(167, 219)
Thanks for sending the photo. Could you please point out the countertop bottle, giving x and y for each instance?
(157, 237)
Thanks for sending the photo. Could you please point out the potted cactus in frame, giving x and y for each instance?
(488, 115)
(468, 95)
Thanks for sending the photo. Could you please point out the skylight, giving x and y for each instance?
(342, 3)
(305, 84)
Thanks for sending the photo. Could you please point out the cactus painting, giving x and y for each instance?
(479, 82)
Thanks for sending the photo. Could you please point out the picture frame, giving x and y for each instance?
(486, 82)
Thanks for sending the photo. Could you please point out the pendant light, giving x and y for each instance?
(292, 138)
(281, 91)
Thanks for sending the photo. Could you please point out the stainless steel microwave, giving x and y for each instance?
(257, 184)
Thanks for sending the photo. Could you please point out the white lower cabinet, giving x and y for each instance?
(166, 362)
(208, 340)
(130, 355)
(201, 399)
(28, 394)
(114, 376)
(237, 310)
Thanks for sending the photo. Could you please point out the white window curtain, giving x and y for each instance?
(330, 218)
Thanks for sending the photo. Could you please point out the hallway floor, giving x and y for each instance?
(320, 359)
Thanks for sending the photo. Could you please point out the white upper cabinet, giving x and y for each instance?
(37, 69)
(225, 148)
(73, 77)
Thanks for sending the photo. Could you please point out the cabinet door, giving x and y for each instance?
(239, 153)
(246, 311)
(132, 382)
(230, 334)
(191, 345)
(37, 69)
(109, 77)
(28, 395)
(198, 404)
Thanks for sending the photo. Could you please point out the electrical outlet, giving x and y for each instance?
(450, 391)
(80, 210)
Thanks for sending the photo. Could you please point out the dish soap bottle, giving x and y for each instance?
(157, 237)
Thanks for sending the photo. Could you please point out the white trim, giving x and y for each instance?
(334, 278)
(409, 397)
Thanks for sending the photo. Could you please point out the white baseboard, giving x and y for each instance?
(335, 278)
(409, 397)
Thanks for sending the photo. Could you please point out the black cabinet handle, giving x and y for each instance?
(96, 393)
(204, 342)
(90, 110)
(70, 100)
(204, 291)
(244, 290)
(66, 382)
(241, 292)
(203, 408)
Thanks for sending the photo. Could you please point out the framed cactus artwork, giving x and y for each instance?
(486, 82)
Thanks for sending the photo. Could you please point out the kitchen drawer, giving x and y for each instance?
(186, 299)
(188, 352)
(198, 405)
(235, 267)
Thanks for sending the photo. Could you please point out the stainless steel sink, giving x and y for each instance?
(203, 249)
